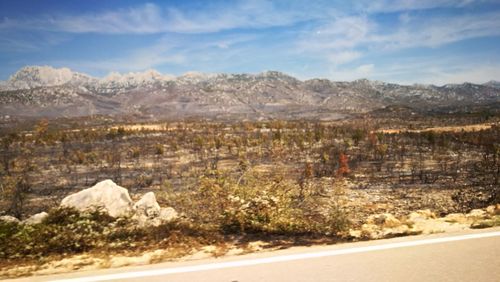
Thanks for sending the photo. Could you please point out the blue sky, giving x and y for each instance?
(425, 41)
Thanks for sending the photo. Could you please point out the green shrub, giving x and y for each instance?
(254, 203)
(258, 203)
(67, 231)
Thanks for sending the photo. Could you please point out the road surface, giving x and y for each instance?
(467, 256)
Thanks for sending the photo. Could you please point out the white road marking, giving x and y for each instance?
(283, 258)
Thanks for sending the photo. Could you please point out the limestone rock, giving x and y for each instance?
(114, 199)
(396, 231)
(355, 233)
(168, 214)
(386, 220)
(493, 209)
(370, 231)
(477, 214)
(421, 215)
(485, 223)
(456, 218)
(142, 220)
(165, 215)
(8, 218)
(490, 210)
(149, 213)
(36, 218)
(147, 205)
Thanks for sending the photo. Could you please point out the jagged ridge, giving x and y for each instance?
(46, 91)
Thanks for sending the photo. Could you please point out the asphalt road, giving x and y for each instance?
(468, 256)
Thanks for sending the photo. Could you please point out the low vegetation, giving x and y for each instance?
(66, 231)
(219, 208)
(234, 181)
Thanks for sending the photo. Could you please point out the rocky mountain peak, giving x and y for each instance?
(275, 75)
(43, 76)
(134, 78)
(44, 91)
(493, 83)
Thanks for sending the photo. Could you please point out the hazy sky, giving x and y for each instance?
(421, 41)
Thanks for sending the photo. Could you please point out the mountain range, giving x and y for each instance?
(44, 91)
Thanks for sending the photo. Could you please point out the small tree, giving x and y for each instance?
(14, 190)
(344, 169)
(7, 152)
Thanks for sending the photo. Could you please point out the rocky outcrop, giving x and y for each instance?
(147, 211)
(493, 209)
(456, 218)
(386, 225)
(147, 205)
(421, 215)
(380, 226)
(476, 214)
(168, 214)
(105, 195)
(385, 220)
(115, 200)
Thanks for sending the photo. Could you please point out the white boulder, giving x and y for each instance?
(106, 195)
(149, 213)
(116, 201)
(168, 214)
(147, 205)
(8, 218)
(36, 218)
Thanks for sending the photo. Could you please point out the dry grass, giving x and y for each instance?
(465, 128)
(143, 127)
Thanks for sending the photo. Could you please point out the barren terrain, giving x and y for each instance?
(281, 183)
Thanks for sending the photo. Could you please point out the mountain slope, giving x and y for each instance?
(46, 91)
(493, 83)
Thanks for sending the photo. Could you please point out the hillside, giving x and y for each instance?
(49, 92)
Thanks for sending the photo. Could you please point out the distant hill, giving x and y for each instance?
(43, 91)
(493, 83)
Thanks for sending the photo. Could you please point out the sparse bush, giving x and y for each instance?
(486, 223)
(338, 220)
(14, 190)
(67, 231)
(251, 178)
(143, 180)
(258, 204)
(63, 231)
(159, 150)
